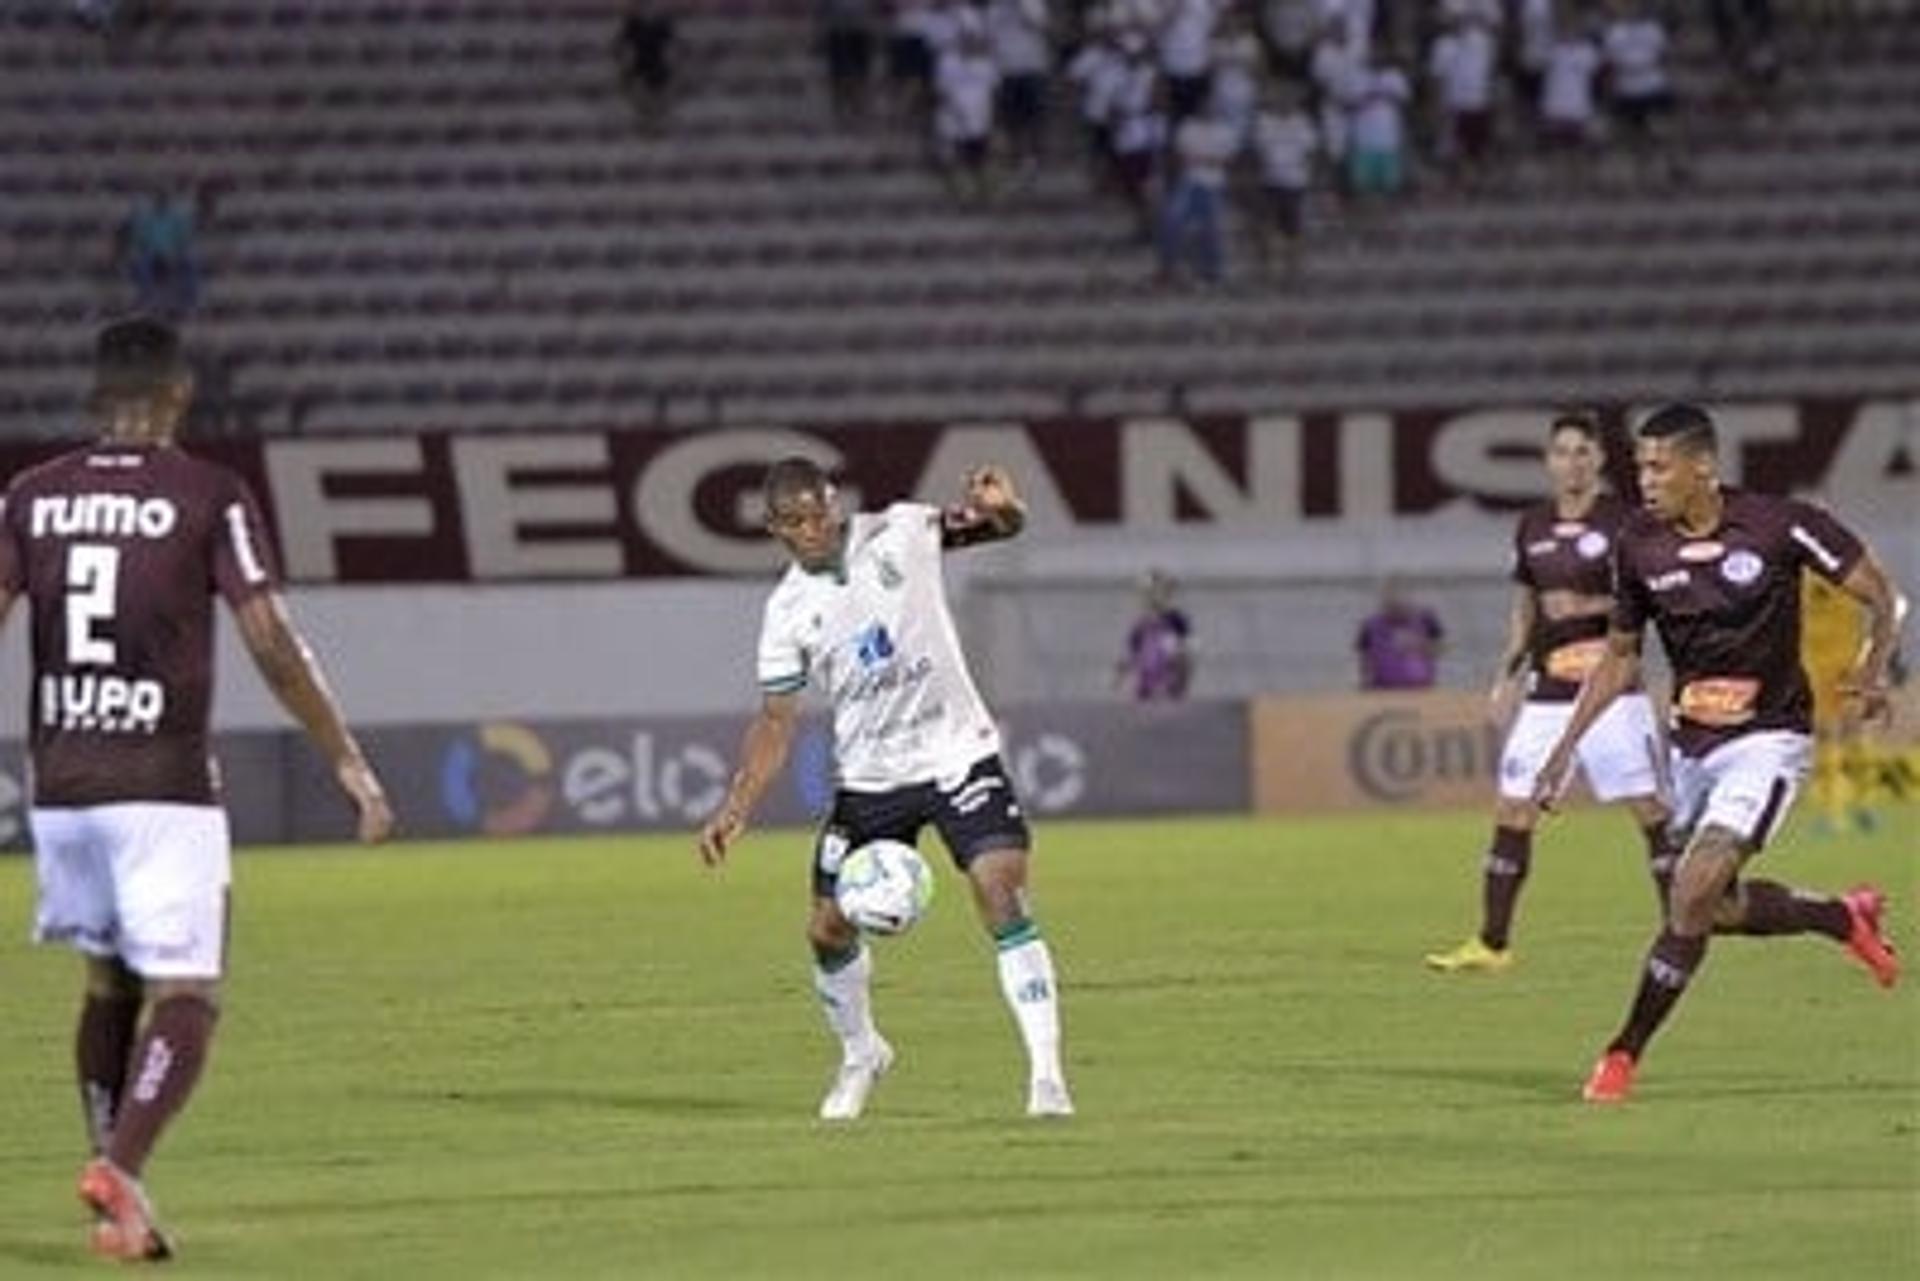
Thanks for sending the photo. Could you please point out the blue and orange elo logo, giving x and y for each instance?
(498, 779)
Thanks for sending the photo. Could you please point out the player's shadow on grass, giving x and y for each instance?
(542, 1098)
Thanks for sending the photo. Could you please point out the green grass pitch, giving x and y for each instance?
(582, 1059)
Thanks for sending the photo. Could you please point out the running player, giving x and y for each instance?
(1563, 585)
(863, 608)
(1717, 571)
(120, 547)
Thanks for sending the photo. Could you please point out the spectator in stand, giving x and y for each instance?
(1376, 162)
(1139, 129)
(966, 85)
(643, 51)
(1158, 663)
(1186, 54)
(1288, 29)
(846, 42)
(1022, 44)
(1098, 72)
(910, 59)
(159, 255)
(1285, 141)
(1531, 51)
(1462, 66)
(1336, 85)
(1642, 96)
(1352, 23)
(1567, 103)
(1399, 644)
(1235, 94)
(1192, 231)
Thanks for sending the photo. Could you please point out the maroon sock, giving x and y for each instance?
(1506, 870)
(1670, 966)
(101, 1044)
(1663, 854)
(1773, 908)
(163, 1073)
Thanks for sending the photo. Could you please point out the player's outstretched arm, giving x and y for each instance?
(991, 511)
(1617, 672)
(290, 671)
(1866, 686)
(763, 752)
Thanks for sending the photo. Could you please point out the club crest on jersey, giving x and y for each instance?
(1741, 568)
(1591, 545)
(874, 646)
(890, 575)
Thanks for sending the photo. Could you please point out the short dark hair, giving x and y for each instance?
(137, 357)
(1687, 427)
(794, 476)
(1581, 420)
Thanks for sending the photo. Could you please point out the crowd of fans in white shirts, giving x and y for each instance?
(1185, 104)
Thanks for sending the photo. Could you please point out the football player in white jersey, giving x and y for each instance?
(863, 611)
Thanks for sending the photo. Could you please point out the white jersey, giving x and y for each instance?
(881, 640)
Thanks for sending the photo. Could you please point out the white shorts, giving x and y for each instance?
(144, 881)
(1620, 754)
(1746, 785)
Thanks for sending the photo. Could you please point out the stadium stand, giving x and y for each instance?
(444, 214)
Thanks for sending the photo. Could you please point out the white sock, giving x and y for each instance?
(845, 1001)
(1026, 979)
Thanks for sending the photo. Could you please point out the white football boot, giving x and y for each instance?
(854, 1082)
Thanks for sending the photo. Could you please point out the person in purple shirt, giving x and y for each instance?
(1399, 644)
(1158, 663)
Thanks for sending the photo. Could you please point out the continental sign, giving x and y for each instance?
(441, 507)
(1438, 749)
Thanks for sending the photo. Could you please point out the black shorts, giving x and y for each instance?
(1639, 113)
(1023, 103)
(978, 814)
(909, 60)
(1287, 206)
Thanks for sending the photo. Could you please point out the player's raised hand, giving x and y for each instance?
(362, 787)
(719, 833)
(990, 490)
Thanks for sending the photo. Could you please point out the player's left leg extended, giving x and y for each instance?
(171, 869)
(999, 880)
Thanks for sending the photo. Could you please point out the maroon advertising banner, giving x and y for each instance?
(499, 507)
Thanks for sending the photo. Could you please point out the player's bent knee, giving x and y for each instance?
(207, 990)
(1649, 811)
(109, 977)
(828, 930)
(1521, 816)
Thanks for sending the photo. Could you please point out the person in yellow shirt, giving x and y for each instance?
(1831, 635)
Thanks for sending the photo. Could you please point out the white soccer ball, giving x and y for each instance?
(884, 887)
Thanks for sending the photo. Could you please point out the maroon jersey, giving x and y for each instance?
(1575, 556)
(120, 549)
(1728, 610)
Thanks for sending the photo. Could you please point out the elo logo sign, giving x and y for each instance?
(1395, 755)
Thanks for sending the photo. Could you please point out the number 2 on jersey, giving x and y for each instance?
(93, 582)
